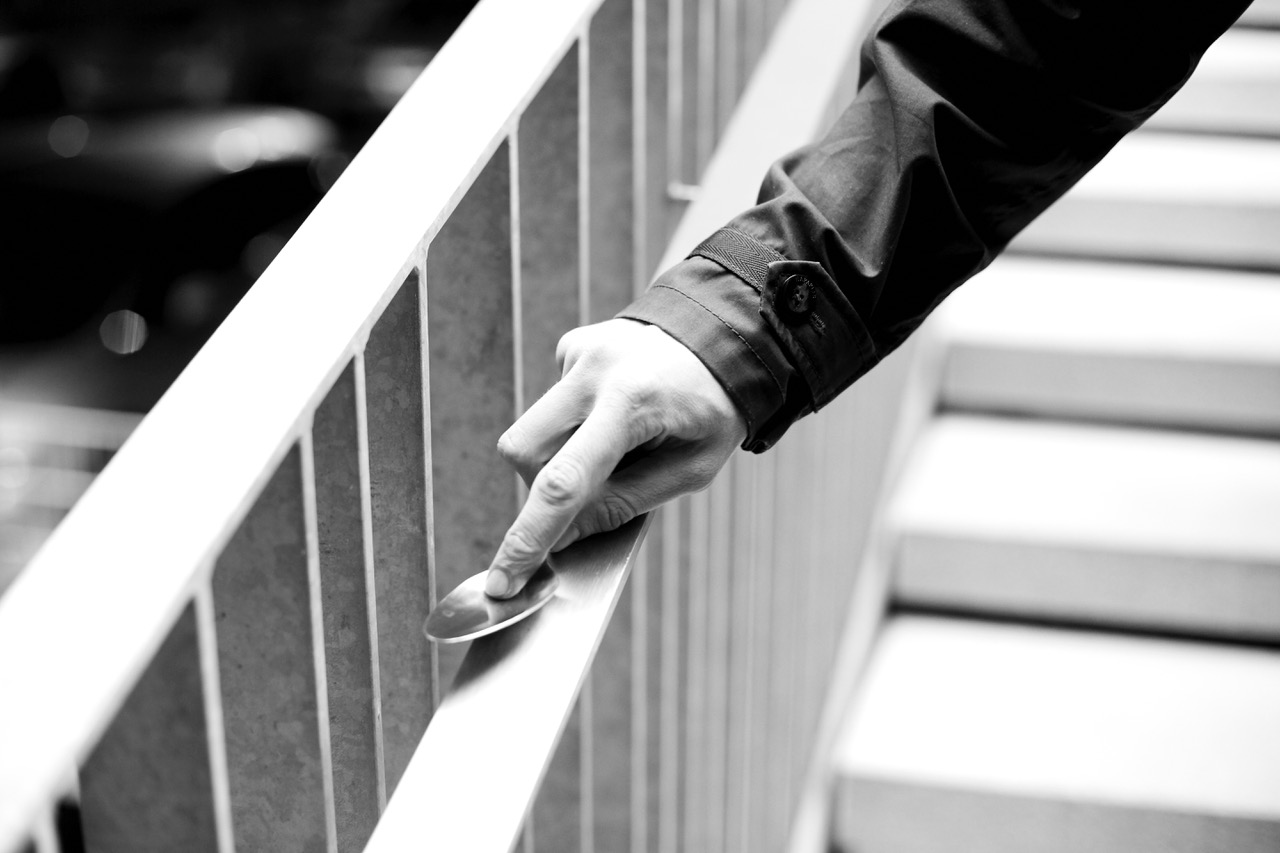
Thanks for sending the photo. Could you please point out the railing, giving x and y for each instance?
(221, 646)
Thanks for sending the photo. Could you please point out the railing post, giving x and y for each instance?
(262, 599)
(349, 637)
(398, 468)
(552, 177)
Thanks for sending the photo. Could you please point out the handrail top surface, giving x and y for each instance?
(473, 776)
(77, 628)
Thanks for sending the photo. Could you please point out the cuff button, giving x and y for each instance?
(794, 299)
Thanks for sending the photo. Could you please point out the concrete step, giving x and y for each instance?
(991, 738)
(1234, 90)
(1171, 198)
(1182, 347)
(1150, 529)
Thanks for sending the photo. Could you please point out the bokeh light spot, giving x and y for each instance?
(123, 332)
(192, 301)
(260, 252)
(68, 135)
(236, 149)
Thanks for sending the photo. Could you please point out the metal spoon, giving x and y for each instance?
(467, 612)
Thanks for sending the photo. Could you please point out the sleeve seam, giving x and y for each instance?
(773, 376)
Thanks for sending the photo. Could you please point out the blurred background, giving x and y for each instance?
(154, 157)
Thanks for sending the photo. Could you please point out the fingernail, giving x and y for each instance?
(497, 583)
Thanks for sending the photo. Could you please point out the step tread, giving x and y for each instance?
(1235, 88)
(1103, 487)
(1169, 197)
(1183, 169)
(1086, 717)
(1122, 309)
(1118, 342)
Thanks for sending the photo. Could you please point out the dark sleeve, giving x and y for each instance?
(972, 117)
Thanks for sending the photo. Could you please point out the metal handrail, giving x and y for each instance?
(476, 771)
(135, 563)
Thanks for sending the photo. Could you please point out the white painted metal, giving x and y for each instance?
(199, 461)
(138, 540)
(476, 770)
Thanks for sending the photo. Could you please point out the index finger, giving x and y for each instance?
(558, 493)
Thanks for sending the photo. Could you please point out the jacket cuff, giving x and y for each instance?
(777, 334)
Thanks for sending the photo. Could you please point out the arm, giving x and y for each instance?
(972, 117)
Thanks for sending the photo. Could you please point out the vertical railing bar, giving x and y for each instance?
(517, 340)
(640, 578)
(784, 666)
(311, 528)
(215, 730)
(639, 148)
(669, 762)
(370, 581)
(727, 63)
(639, 719)
(696, 681)
(719, 633)
(799, 665)
(800, 596)
(753, 37)
(586, 756)
(517, 318)
(45, 832)
(436, 689)
(737, 659)
(762, 625)
(587, 839)
(584, 175)
(819, 597)
(747, 516)
(706, 127)
(517, 330)
(675, 91)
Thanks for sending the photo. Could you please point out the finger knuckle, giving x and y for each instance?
(567, 349)
(615, 511)
(562, 482)
(640, 407)
(520, 548)
(508, 447)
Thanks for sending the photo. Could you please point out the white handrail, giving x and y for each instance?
(473, 778)
(138, 553)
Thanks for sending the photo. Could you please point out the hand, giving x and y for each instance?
(624, 386)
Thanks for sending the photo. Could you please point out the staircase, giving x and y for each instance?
(1083, 652)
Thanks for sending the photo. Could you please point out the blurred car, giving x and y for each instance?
(150, 169)
(130, 238)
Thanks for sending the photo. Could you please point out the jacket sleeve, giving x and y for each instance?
(972, 117)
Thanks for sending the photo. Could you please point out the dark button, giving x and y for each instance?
(793, 300)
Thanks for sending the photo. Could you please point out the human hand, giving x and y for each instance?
(624, 386)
